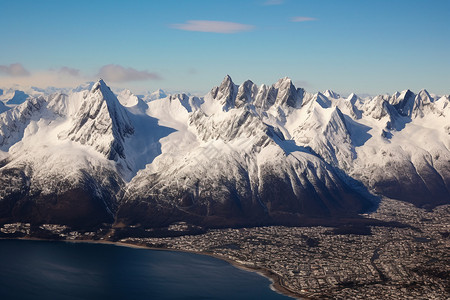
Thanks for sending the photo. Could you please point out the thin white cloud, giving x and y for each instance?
(302, 19)
(69, 71)
(44, 78)
(302, 84)
(117, 73)
(14, 70)
(213, 26)
(274, 2)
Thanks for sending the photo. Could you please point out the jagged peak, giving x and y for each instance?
(332, 94)
(159, 93)
(178, 96)
(406, 94)
(226, 84)
(286, 93)
(227, 81)
(106, 94)
(424, 95)
(101, 122)
(444, 98)
(336, 116)
(283, 83)
(284, 79)
(322, 100)
(246, 86)
(99, 84)
(352, 96)
(248, 82)
(398, 95)
(246, 93)
(225, 93)
(319, 95)
(399, 98)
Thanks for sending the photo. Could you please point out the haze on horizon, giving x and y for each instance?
(348, 46)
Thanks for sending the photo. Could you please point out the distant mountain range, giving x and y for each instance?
(239, 156)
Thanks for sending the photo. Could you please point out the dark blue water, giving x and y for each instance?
(61, 270)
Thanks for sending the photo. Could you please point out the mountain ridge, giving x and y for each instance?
(241, 155)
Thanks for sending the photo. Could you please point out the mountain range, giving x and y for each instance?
(242, 155)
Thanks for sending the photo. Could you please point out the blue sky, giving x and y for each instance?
(345, 45)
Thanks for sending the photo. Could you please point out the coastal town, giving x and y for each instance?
(411, 261)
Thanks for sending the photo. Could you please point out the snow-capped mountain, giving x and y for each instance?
(150, 96)
(101, 122)
(158, 94)
(240, 155)
(12, 97)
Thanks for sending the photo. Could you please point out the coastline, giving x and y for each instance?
(275, 281)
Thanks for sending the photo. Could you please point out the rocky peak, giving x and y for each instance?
(331, 94)
(404, 103)
(101, 122)
(352, 98)
(322, 100)
(17, 119)
(225, 93)
(246, 93)
(425, 96)
(287, 93)
(158, 94)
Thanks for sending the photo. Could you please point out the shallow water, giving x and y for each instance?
(63, 270)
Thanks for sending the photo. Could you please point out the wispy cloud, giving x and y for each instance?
(274, 2)
(213, 26)
(15, 70)
(45, 78)
(117, 73)
(69, 71)
(302, 19)
(302, 84)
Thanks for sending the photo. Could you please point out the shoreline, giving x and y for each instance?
(275, 281)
